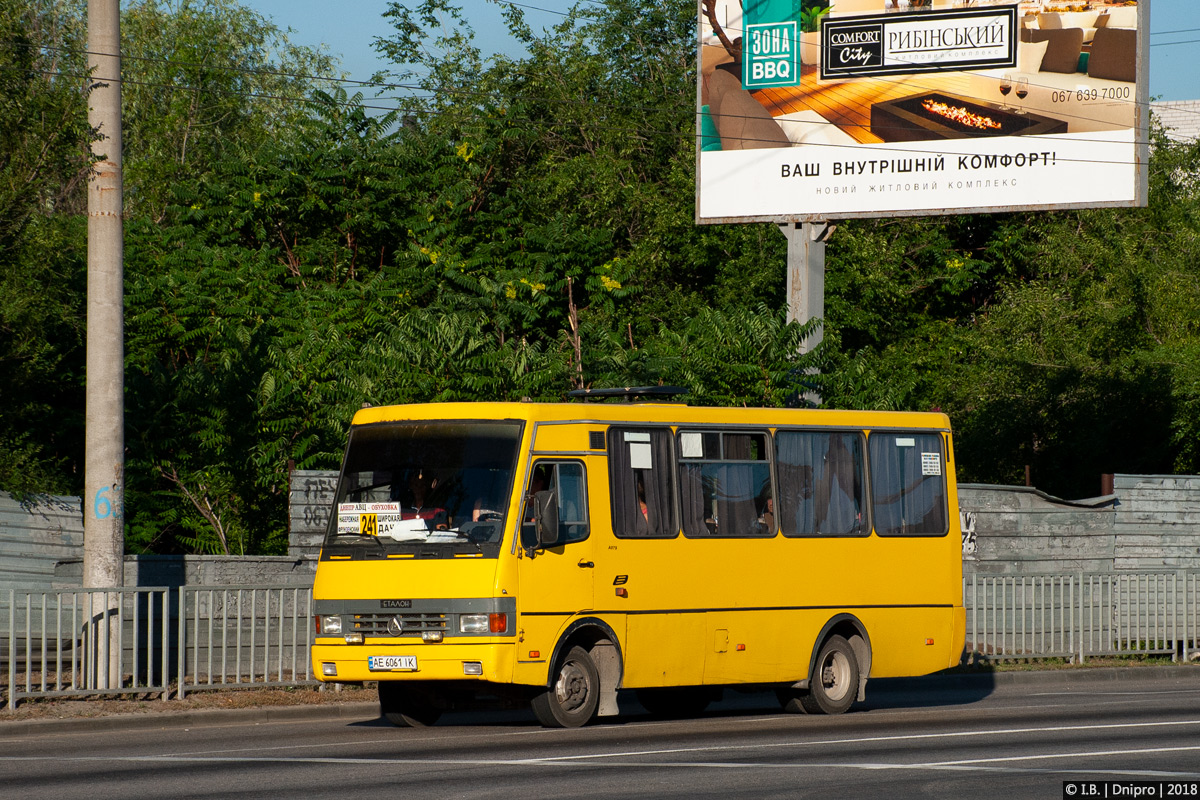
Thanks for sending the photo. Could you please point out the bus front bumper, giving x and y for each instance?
(418, 661)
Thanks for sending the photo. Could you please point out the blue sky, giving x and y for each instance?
(348, 27)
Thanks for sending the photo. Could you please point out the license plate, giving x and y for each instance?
(392, 663)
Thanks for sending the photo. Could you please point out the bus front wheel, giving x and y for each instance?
(574, 692)
(406, 706)
(834, 683)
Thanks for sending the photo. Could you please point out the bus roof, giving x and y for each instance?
(650, 412)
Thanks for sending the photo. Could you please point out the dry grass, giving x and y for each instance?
(82, 707)
(1054, 664)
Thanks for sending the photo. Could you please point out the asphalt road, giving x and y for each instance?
(1018, 738)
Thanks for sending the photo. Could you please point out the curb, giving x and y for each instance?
(1057, 677)
(190, 719)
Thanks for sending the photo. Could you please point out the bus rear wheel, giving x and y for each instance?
(574, 693)
(834, 684)
(407, 706)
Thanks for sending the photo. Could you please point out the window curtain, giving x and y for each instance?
(906, 501)
(821, 485)
(840, 486)
(656, 486)
(795, 455)
(691, 500)
(734, 493)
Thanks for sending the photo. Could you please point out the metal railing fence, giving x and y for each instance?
(243, 636)
(152, 640)
(1081, 615)
(84, 642)
(148, 640)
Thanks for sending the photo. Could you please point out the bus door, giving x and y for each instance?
(556, 573)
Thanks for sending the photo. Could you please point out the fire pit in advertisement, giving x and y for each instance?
(933, 115)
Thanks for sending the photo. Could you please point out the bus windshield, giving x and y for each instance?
(429, 489)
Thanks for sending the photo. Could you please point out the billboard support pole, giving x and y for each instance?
(806, 274)
(806, 279)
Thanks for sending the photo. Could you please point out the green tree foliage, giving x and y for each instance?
(203, 80)
(517, 228)
(44, 162)
(1089, 351)
(518, 233)
(254, 299)
(570, 199)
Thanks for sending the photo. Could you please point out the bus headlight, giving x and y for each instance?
(331, 625)
(483, 623)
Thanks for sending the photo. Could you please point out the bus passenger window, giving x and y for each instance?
(568, 481)
(820, 483)
(725, 484)
(908, 484)
(640, 483)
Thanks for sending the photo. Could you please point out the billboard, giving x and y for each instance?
(832, 109)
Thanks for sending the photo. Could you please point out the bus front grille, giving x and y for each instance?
(407, 624)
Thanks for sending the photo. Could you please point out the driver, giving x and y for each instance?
(421, 484)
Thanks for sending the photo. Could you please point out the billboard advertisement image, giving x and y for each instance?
(831, 109)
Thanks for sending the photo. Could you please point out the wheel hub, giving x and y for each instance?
(835, 676)
(572, 687)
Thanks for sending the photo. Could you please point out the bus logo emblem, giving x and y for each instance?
(395, 626)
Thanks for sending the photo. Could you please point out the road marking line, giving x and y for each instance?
(1064, 755)
(867, 739)
(733, 765)
(717, 748)
(604, 758)
(1112, 694)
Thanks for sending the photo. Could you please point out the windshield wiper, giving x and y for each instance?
(361, 536)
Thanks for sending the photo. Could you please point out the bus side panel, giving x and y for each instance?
(664, 650)
(747, 646)
(911, 641)
(692, 602)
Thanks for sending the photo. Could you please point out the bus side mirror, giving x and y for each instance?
(545, 506)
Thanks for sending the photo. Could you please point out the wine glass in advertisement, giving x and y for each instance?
(1022, 93)
(1006, 85)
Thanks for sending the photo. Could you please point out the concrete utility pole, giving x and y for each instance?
(104, 435)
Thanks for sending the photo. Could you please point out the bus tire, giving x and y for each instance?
(574, 693)
(406, 706)
(789, 698)
(834, 684)
(675, 702)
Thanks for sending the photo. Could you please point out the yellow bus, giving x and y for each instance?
(554, 554)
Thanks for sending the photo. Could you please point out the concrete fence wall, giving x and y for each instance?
(1014, 530)
(310, 497)
(1157, 522)
(36, 536)
(1150, 522)
(41, 549)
